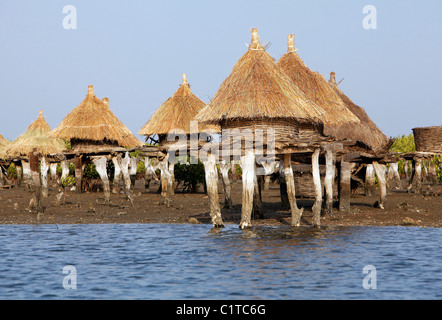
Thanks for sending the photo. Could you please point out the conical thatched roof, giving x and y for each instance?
(93, 120)
(366, 131)
(176, 113)
(316, 88)
(258, 89)
(36, 136)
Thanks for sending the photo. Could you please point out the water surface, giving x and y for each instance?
(180, 261)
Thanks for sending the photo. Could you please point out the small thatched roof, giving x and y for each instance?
(93, 121)
(36, 136)
(366, 131)
(316, 88)
(258, 89)
(176, 113)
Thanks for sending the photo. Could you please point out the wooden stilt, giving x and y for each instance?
(411, 175)
(44, 168)
(248, 188)
(267, 182)
(370, 181)
(257, 201)
(211, 175)
(117, 176)
(419, 176)
(172, 177)
(345, 186)
(166, 182)
(26, 174)
(35, 182)
(133, 166)
(224, 168)
(78, 172)
(328, 181)
(318, 188)
(100, 166)
(19, 170)
(380, 170)
(64, 169)
(290, 181)
(393, 176)
(53, 170)
(285, 204)
(124, 166)
(432, 174)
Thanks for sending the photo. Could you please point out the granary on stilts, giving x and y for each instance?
(258, 97)
(25, 152)
(92, 128)
(175, 118)
(343, 120)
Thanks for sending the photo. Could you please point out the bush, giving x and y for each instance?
(190, 174)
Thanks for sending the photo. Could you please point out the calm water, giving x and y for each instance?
(167, 261)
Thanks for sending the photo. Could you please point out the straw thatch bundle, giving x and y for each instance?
(176, 113)
(92, 125)
(428, 139)
(3, 144)
(316, 88)
(258, 89)
(36, 136)
(366, 132)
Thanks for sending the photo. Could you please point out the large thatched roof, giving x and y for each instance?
(258, 89)
(36, 136)
(93, 120)
(366, 131)
(316, 88)
(176, 113)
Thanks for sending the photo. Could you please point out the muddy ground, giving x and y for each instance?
(403, 209)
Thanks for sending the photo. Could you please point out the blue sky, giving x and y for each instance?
(134, 52)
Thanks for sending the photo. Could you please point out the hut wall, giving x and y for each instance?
(428, 139)
(89, 146)
(286, 131)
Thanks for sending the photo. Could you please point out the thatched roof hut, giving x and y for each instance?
(317, 89)
(365, 132)
(258, 95)
(92, 126)
(176, 114)
(36, 136)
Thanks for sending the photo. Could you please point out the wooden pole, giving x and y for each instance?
(78, 172)
(345, 186)
(211, 175)
(380, 173)
(411, 175)
(248, 188)
(370, 181)
(19, 170)
(318, 188)
(44, 167)
(64, 169)
(418, 163)
(393, 176)
(100, 165)
(432, 174)
(285, 204)
(53, 170)
(257, 201)
(35, 185)
(328, 181)
(133, 166)
(26, 174)
(290, 182)
(124, 166)
(224, 168)
(117, 176)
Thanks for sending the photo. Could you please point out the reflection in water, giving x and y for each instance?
(166, 261)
